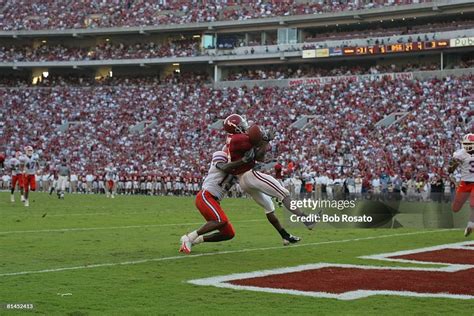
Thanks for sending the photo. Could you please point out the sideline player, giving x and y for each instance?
(14, 165)
(260, 186)
(29, 164)
(214, 188)
(464, 157)
(64, 174)
(110, 179)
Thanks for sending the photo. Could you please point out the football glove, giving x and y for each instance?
(249, 156)
(268, 135)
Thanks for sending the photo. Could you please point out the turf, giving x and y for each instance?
(88, 230)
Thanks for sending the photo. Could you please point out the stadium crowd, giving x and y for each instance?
(308, 185)
(182, 47)
(54, 80)
(61, 14)
(286, 72)
(373, 34)
(107, 50)
(163, 130)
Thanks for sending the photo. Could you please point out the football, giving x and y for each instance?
(255, 135)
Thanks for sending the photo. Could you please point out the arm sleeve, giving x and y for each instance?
(219, 156)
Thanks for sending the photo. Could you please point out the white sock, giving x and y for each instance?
(470, 224)
(193, 235)
(198, 240)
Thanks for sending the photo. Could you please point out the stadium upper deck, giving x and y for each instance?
(60, 14)
(47, 37)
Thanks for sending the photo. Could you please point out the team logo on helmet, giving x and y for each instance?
(235, 124)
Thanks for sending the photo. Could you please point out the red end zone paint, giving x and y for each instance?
(340, 280)
(347, 282)
(454, 256)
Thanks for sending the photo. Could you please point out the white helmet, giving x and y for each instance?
(468, 142)
(29, 150)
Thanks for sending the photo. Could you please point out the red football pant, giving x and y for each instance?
(463, 192)
(211, 210)
(110, 184)
(17, 179)
(29, 182)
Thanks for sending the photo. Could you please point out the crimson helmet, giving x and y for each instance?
(468, 142)
(235, 124)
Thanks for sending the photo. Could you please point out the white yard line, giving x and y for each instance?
(101, 213)
(112, 264)
(62, 230)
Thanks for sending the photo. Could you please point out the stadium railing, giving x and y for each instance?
(286, 82)
(241, 53)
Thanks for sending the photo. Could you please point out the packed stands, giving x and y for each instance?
(301, 71)
(90, 125)
(107, 50)
(61, 14)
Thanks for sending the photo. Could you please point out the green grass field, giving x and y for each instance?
(87, 233)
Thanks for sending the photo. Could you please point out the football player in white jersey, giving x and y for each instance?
(29, 164)
(464, 158)
(214, 188)
(110, 178)
(14, 166)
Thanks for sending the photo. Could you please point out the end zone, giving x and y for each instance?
(348, 282)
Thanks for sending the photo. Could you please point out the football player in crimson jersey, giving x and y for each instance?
(464, 157)
(216, 184)
(260, 186)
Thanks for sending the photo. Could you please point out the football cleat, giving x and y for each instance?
(12, 198)
(467, 231)
(22, 198)
(186, 244)
(290, 239)
(27, 203)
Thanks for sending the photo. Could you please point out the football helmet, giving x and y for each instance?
(235, 124)
(468, 142)
(29, 150)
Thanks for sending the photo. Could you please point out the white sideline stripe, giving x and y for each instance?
(100, 213)
(111, 227)
(112, 264)
(221, 282)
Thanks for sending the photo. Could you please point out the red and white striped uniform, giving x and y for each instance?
(215, 185)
